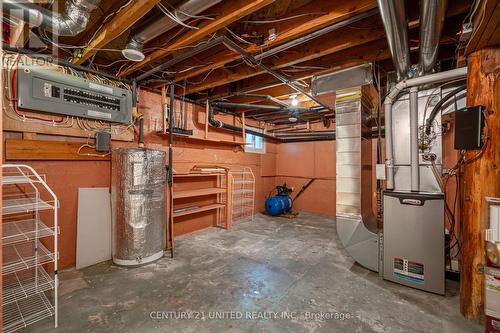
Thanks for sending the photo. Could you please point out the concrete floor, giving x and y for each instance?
(294, 270)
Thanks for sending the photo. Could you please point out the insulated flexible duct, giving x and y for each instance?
(71, 22)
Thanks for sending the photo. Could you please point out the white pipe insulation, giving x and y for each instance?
(389, 100)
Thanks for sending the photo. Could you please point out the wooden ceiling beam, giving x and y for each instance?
(363, 32)
(455, 8)
(120, 23)
(335, 12)
(341, 40)
(231, 11)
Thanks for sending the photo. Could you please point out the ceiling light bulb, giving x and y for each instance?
(295, 102)
(292, 119)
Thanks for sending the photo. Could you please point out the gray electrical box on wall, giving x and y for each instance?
(49, 91)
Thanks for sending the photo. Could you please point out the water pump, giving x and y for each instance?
(280, 203)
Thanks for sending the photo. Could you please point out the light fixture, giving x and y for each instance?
(292, 119)
(133, 51)
(293, 100)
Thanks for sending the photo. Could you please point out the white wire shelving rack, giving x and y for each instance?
(30, 228)
(243, 193)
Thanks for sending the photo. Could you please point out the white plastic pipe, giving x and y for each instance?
(415, 82)
(414, 162)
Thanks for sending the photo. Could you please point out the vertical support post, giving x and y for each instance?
(163, 107)
(229, 201)
(414, 162)
(171, 167)
(207, 108)
(481, 178)
(243, 126)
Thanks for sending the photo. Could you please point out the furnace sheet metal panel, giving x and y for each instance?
(414, 240)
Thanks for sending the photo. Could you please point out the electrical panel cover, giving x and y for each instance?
(40, 89)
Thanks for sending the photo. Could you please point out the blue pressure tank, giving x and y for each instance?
(279, 204)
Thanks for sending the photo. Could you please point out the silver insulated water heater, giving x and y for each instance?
(138, 205)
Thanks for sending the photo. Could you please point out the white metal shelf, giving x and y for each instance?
(25, 255)
(19, 314)
(24, 205)
(237, 182)
(18, 179)
(26, 283)
(243, 193)
(24, 230)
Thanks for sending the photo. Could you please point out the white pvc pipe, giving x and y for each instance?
(415, 82)
(414, 162)
(389, 161)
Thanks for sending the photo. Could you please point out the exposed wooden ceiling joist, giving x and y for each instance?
(340, 40)
(335, 11)
(344, 39)
(120, 23)
(231, 11)
(486, 31)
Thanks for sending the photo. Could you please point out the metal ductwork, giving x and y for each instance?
(395, 21)
(71, 22)
(432, 14)
(134, 49)
(356, 224)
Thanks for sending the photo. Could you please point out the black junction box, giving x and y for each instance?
(103, 142)
(469, 125)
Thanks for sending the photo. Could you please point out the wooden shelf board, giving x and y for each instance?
(207, 174)
(198, 192)
(198, 209)
(197, 138)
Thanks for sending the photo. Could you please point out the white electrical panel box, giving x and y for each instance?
(45, 90)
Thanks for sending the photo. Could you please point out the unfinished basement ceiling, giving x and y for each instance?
(258, 27)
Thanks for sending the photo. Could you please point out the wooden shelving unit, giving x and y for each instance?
(193, 200)
(198, 209)
(198, 192)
